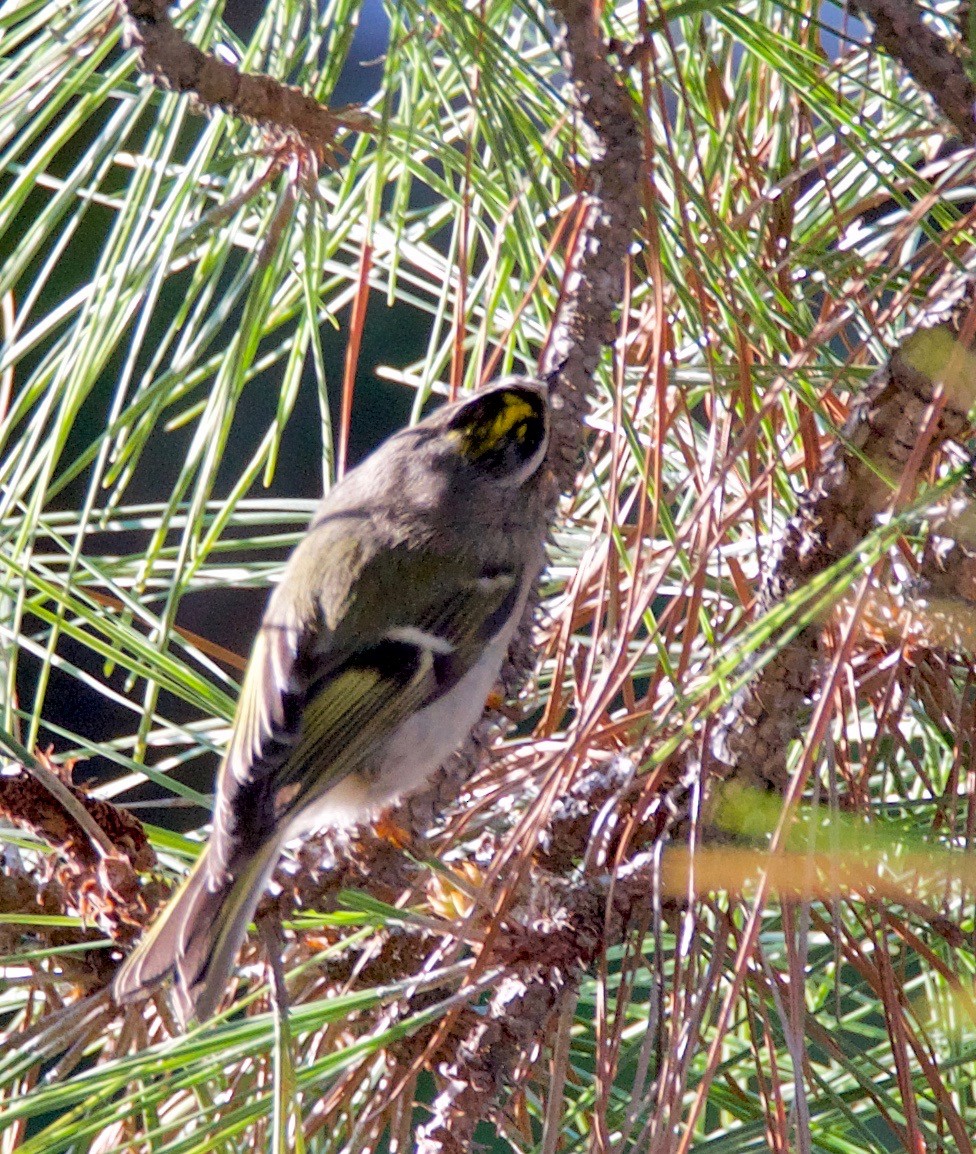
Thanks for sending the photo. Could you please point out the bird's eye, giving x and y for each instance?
(502, 429)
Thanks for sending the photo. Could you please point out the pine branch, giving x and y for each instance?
(901, 31)
(174, 63)
(925, 390)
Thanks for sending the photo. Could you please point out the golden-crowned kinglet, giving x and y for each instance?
(374, 660)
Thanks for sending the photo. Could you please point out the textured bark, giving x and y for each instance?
(948, 564)
(941, 600)
(23, 895)
(173, 62)
(498, 1050)
(26, 803)
(857, 483)
(900, 30)
(554, 932)
(83, 878)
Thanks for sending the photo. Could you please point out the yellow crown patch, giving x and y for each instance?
(500, 416)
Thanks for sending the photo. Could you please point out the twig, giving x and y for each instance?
(173, 62)
(67, 797)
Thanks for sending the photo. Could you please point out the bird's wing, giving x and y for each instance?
(316, 702)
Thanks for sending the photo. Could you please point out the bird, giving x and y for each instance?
(374, 659)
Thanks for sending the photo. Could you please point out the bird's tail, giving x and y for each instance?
(196, 938)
